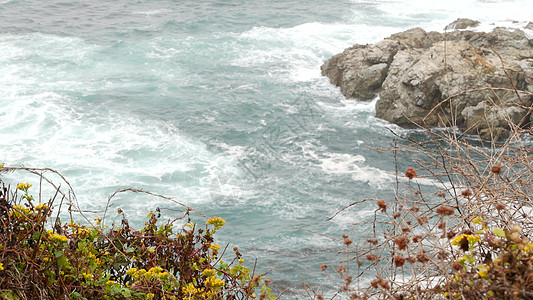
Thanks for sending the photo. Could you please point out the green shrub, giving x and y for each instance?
(44, 258)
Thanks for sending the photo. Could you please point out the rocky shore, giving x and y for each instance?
(421, 78)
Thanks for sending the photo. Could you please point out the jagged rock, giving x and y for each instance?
(462, 23)
(360, 70)
(421, 78)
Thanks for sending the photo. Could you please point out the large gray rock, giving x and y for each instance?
(360, 70)
(423, 79)
(462, 24)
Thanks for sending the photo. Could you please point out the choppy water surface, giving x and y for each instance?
(218, 103)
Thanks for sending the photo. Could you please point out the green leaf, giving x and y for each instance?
(470, 259)
(499, 232)
(126, 293)
(62, 262)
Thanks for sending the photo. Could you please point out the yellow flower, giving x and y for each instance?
(208, 272)
(190, 224)
(110, 282)
(23, 186)
(482, 273)
(472, 239)
(214, 282)
(18, 211)
(57, 237)
(214, 247)
(241, 260)
(131, 271)
(1, 266)
(41, 206)
(190, 290)
(217, 222)
(478, 220)
(87, 275)
(150, 296)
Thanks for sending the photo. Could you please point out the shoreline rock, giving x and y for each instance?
(414, 71)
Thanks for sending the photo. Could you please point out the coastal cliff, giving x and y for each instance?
(415, 71)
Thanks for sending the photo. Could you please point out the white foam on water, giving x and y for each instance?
(435, 15)
(49, 120)
(295, 54)
(118, 150)
(151, 12)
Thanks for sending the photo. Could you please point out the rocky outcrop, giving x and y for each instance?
(421, 78)
(462, 24)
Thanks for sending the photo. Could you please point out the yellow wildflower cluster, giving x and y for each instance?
(211, 285)
(217, 222)
(18, 211)
(190, 291)
(41, 206)
(23, 186)
(208, 272)
(83, 232)
(96, 260)
(528, 248)
(152, 273)
(478, 220)
(190, 224)
(482, 274)
(472, 239)
(214, 247)
(214, 282)
(1, 266)
(57, 237)
(87, 275)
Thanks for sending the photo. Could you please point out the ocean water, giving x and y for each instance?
(219, 104)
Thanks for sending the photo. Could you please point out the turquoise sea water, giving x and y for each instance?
(219, 104)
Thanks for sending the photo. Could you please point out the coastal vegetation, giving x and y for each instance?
(466, 235)
(44, 257)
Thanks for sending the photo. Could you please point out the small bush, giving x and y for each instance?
(469, 236)
(44, 258)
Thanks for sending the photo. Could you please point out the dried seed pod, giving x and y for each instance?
(371, 257)
(399, 261)
(445, 210)
(466, 193)
(401, 242)
(497, 169)
(372, 241)
(382, 205)
(422, 257)
(410, 173)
